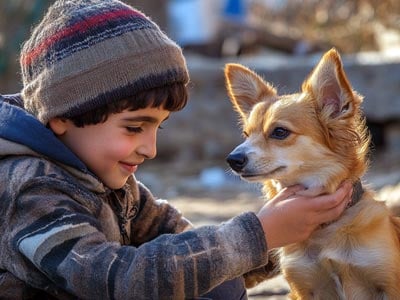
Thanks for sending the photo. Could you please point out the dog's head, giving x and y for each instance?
(316, 138)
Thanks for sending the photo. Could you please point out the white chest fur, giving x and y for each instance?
(352, 258)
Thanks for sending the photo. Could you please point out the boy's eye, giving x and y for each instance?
(280, 133)
(134, 129)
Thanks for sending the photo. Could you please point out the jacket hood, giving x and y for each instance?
(22, 134)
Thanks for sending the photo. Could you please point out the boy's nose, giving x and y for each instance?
(148, 149)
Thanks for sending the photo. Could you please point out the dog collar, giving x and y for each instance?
(358, 192)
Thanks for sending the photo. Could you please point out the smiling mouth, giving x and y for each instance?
(261, 175)
(129, 167)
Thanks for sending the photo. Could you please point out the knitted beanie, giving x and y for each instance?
(86, 53)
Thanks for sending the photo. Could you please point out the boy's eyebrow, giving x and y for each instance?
(144, 119)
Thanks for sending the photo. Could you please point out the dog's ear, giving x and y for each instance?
(246, 88)
(331, 89)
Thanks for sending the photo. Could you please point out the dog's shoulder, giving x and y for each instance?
(396, 225)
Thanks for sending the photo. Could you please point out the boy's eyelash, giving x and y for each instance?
(134, 129)
(138, 129)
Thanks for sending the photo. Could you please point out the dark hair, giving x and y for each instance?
(171, 97)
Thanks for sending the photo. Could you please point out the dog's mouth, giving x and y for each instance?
(259, 176)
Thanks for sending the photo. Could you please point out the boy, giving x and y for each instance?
(99, 79)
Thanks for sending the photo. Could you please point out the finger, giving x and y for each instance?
(346, 182)
(288, 192)
(341, 196)
(330, 214)
(333, 213)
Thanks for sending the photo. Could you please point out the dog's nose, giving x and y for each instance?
(237, 161)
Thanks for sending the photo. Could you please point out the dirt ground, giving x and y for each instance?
(210, 194)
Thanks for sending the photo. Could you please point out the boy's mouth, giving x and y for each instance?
(130, 168)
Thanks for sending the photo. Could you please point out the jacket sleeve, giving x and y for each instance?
(159, 217)
(268, 271)
(63, 241)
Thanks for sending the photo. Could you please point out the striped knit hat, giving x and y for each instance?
(86, 53)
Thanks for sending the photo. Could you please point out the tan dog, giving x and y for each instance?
(318, 138)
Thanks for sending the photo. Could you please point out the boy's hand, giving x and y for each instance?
(289, 218)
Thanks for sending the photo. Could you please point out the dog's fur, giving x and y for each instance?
(318, 138)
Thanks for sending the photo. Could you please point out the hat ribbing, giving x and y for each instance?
(86, 53)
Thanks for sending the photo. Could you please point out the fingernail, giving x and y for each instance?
(350, 195)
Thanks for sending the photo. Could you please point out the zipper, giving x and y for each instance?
(123, 215)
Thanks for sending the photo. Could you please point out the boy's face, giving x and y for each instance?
(113, 150)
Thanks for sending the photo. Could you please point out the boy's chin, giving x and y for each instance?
(116, 185)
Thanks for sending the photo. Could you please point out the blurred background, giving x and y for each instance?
(281, 40)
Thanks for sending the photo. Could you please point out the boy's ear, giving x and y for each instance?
(58, 125)
(246, 88)
(331, 89)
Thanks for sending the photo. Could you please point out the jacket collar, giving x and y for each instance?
(22, 134)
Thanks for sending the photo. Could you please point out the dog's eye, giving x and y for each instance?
(280, 133)
(245, 134)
